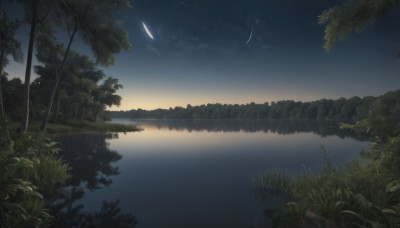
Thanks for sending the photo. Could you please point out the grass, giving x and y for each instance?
(72, 127)
(357, 195)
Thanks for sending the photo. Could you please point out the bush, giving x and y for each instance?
(29, 176)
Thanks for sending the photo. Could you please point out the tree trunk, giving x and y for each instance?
(57, 108)
(94, 113)
(25, 114)
(57, 82)
(2, 114)
(75, 112)
(49, 106)
(85, 114)
(83, 110)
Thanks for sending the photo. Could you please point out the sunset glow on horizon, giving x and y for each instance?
(204, 58)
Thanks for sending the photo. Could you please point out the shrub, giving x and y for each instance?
(29, 176)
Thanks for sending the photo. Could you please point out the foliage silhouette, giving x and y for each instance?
(91, 161)
(9, 45)
(92, 167)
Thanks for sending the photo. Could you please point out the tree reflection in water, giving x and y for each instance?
(92, 166)
(283, 127)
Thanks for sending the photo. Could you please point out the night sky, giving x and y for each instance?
(199, 54)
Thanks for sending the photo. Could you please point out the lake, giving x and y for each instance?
(189, 173)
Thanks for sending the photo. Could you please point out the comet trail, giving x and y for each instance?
(251, 35)
(147, 30)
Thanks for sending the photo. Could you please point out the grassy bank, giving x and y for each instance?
(72, 127)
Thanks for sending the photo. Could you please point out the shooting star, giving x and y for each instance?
(147, 31)
(251, 35)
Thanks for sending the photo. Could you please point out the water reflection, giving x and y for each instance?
(282, 127)
(186, 173)
(92, 167)
(91, 160)
(109, 216)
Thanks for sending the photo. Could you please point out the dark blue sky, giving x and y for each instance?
(199, 54)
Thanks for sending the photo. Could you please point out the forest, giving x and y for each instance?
(351, 109)
(69, 85)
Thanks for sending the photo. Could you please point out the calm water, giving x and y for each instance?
(193, 173)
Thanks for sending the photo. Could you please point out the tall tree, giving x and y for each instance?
(351, 16)
(94, 21)
(80, 90)
(8, 46)
(25, 114)
(49, 54)
(80, 84)
(34, 17)
(105, 95)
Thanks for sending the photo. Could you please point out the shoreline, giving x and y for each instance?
(79, 128)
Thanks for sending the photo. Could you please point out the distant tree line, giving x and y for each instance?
(353, 109)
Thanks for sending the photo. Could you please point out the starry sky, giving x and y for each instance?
(199, 54)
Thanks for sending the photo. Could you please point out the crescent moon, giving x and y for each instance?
(147, 31)
(251, 35)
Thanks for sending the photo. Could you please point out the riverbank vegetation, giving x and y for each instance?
(72, 127)
(356, 194)
(69, 94)
(31, 176)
